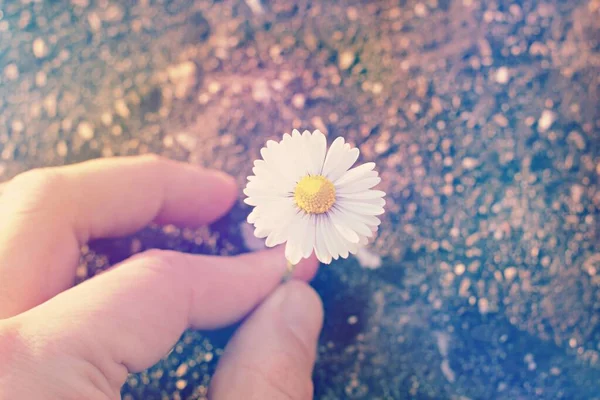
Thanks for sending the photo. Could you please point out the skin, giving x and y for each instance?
(59, 341)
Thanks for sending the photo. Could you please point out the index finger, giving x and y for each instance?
(132, 315)
(48, 214)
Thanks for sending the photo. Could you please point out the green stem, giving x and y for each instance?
(289, 271)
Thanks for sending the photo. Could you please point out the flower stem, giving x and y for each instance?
(289, 271)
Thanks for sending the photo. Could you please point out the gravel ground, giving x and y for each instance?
(482, 116)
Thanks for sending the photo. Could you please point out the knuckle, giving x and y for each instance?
(12, 345)
(153, 159)
(276, 386)
(153, 254)
(156, 258)
(297, 350)
(161, 262)
(43, 179)
(28, 350)
(36, 185)
(11, 356)
(285, 374)
(280, 365)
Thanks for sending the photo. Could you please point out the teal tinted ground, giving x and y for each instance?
(482, 117)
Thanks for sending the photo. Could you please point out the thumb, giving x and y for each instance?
(273, 353)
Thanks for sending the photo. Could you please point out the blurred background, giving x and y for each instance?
(483, 118)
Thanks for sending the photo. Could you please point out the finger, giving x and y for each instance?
(272, 355)
(47, 214)
(132, 315)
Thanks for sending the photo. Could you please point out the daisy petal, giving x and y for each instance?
(347, 159)
(282, 231)
(358, 186)
(252, 216)
(302, 153)
(308, 242)
(361, 208)
(334, 155)
(380, 202)
(369, 220)
(353, 248)
(293, 249)
(256, 200)
(340, 243)
(320, 247)
(261, 233)
(328, 239)
(366, 195)
(353, 222)
(341, 225)
(317, 143)
(355, 173)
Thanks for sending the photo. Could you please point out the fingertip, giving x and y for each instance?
(306, 269)
(219, 185)
(279, 343)
(229, 184)
(273, 258)
(198, 197)
(302, 310)
(227, 188)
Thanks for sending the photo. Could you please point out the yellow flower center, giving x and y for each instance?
(315, 194)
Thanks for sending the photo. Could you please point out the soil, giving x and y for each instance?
(483, 118)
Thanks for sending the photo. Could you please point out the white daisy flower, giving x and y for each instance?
(311, 198)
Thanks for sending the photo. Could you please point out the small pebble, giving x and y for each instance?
(106, 118)
(346, 60)
(298, 101)
(377, 88)
(183, 76)
(94, 21)
(469, 163)
(255, 6)
(41, 78)
(181, 370)
(40, 49)
(186, 141)
(122, 109)
(260, 91)
(62, 149)
(459, 269)
(85, 130)
(484, 306)
(420, 10)
(11, 72)
(368, 259)
(502, 75)
(214, 87)
(319, 124)
(546, 120)
(447, 371)
(510, 273)
(577, 139)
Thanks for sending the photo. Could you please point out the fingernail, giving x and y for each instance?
(225, 177)
(302, 312)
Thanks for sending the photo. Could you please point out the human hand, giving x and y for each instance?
(64, 342)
